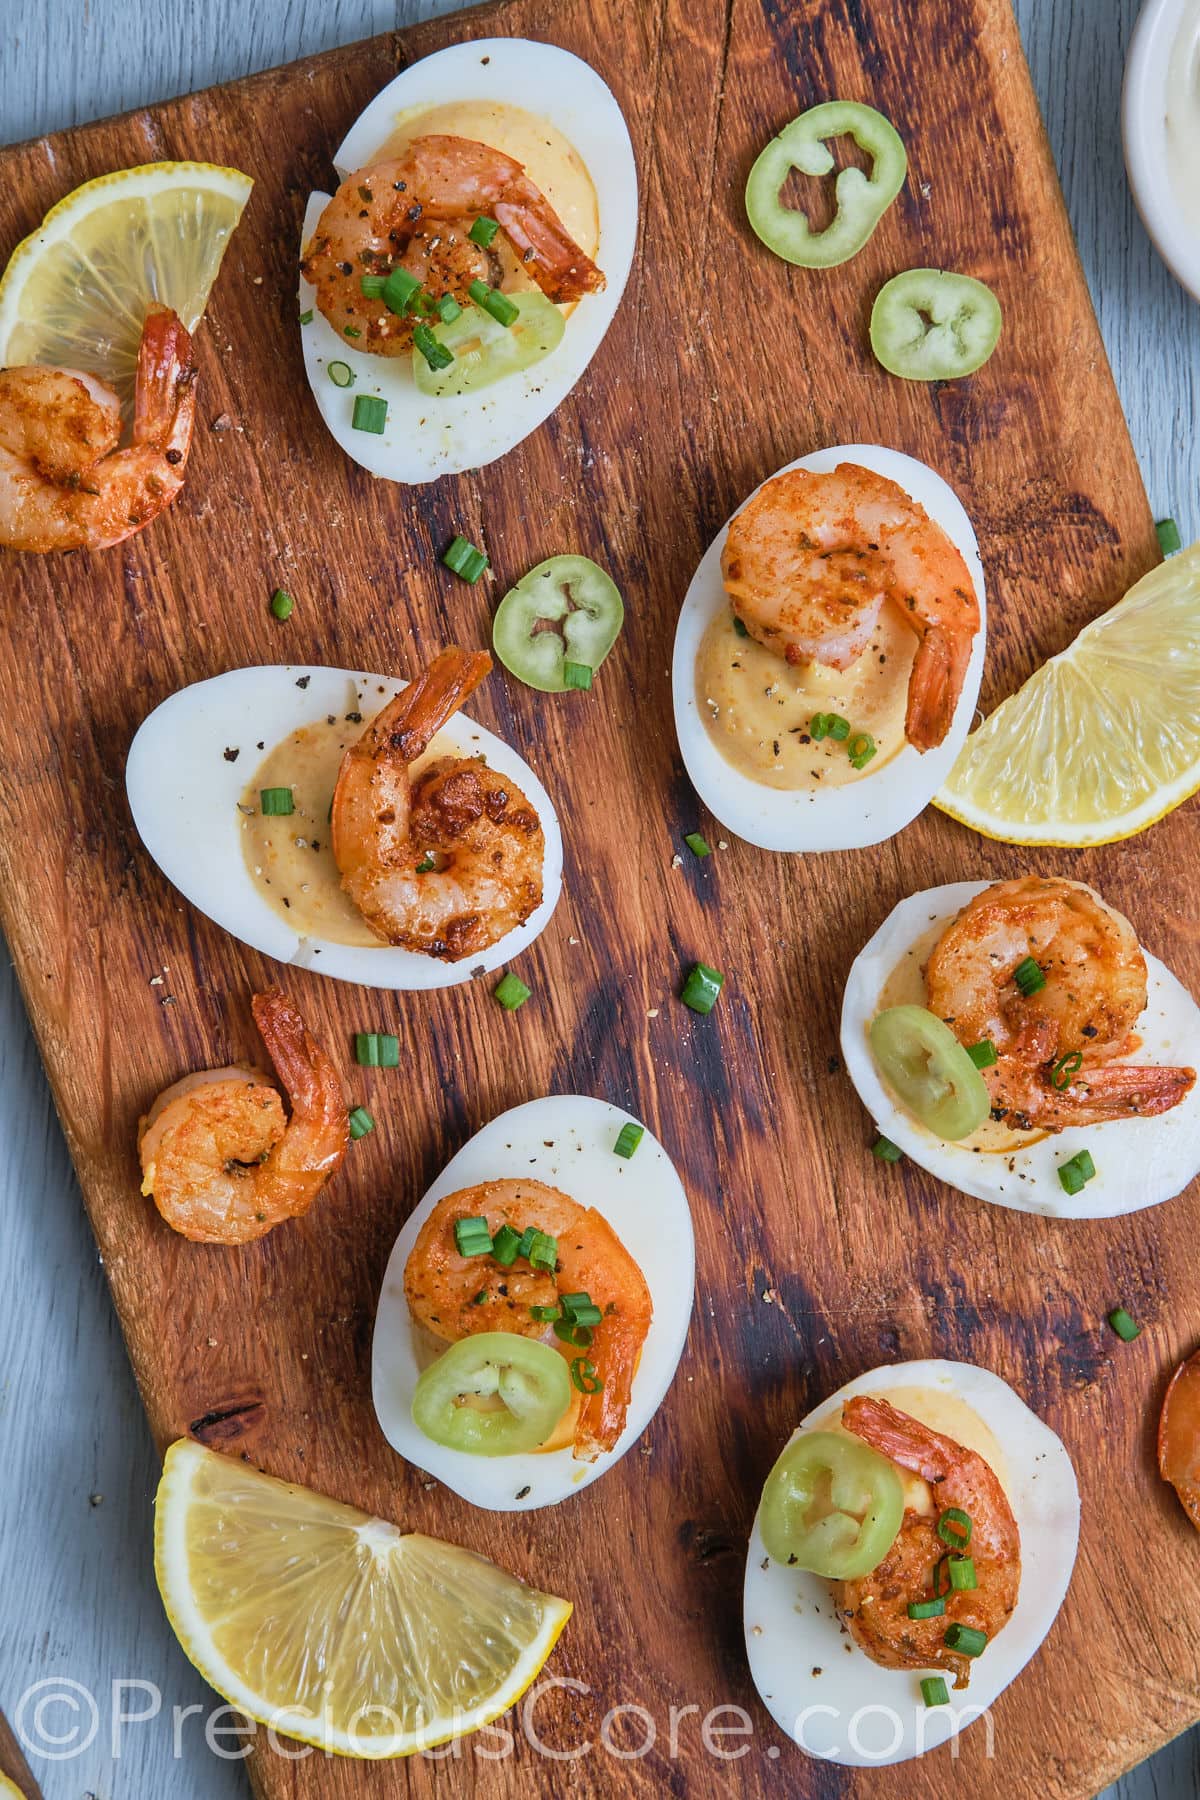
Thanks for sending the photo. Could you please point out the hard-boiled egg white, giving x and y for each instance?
(427, 436)
(1139, 1162)
(818, 1685)
(566, 1141)
(879, 804)
(184, 792)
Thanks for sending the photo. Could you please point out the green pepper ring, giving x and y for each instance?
(861, 199)
(963, 329)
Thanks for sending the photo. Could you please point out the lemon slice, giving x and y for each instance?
(76, 290)
(1104, 739)
(332, 1627)
(9, 1789)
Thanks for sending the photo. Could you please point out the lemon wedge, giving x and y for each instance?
(1104, 739)
(76, 290)
(9, 1789)
(332, 1627)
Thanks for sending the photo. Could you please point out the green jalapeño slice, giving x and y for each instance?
(831, 1505)
(485, 351)
(531, 1381)
(862, 199)
(929, 1069)
(933, 325)
(566, 611)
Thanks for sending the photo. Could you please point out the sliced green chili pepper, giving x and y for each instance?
(861, 199)
(930, 1070)
(567, 610)
(531, 1379)
(831, 1504)
(484, 350)
(933, 325)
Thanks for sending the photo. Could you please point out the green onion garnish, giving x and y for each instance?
(371, 286)
(370, 413)
(577, 675)
(1125, 1327)
(465, 559)
(701, 988)
(399, 291)
(543, 1251)
(738, 626)
(434, 352)
(511, 992)
(954, 1528)
(282, 605)
(960, 1575)
(628, 1139)
(884, 1150)
(498, 305)
(361, 1122)
(1075, 1174)
(1169, 540)
(483, 231)
(505, 1245)
(1028, 977)
(448, 309)
(376, 1050)
(823, 725)
(472, 1237)
(860, 749)
(1065, 1069)
(583, 1374)
(527, 1236)
(926, 1609)
(276, 803)
(568, 1332)
(306, 318)
(983, 1054)
(340, 373)
(545, 1315)
(580, 1308)
(697, 844)
(934, 1691)
(426, 864)
(966, 1639)
(351, 331)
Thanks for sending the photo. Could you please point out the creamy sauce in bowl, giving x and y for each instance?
(1183, 117)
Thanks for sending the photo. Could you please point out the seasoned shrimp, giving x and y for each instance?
(447, 862)
(221, 1161)
(64, 484)
(1094, 994)
(443, 1288)
(415, 212)
(810, 560)
(875, 1606)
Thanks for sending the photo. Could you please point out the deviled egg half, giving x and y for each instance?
(535, 1305)
(854, 1655)
(459, 283)
(231, 785)
(1015, 1039)
(829, 651)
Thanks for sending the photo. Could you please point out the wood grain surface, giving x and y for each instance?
(813, 1262)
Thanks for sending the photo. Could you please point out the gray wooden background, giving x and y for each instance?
(77, 1469)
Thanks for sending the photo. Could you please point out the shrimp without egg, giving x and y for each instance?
(415, 212)
(811, 559)
(875, 1606)
(220, 1159)
(443, 1289)
(64, 483)
(1094, 993)
(450, 860)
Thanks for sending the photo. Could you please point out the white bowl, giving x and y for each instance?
(1144, 107)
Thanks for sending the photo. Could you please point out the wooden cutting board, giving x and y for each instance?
(814, 1262)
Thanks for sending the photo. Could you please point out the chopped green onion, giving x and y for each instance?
(860, 749)
(435, 353)
(583, 1374)
(1125, 1327)
(581, 1309)
(483, 231)
(340, 373)
(376, 1050)
(448, 309)
(1065, 1069)
(370, 413)
(926, 1609)
(361, 1122)
(465, 559)
(1169, 540)
(960, 1575)
(505, 1245)
(884, 1150)
(568, 1332)
(1029, 977)
(543, 1252)
(427, 862)
(701, 988)
(527, 1236)
(966, 1639)
(628, 1139)
(983, 1054)
(498, 305)
(371, 286)
(934, 1691)
(306, 318)
(276, 803)
(1075, 1174)
(545, 1315)
(480, 1297)
(577, 675)
(282, 605)
(954, 1528)
(697, 844)
(472, 1237)
(399, 291)
(739, 627)
(823, 725)
(511, 992)
(351, 331)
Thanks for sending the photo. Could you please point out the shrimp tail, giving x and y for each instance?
(408, 725)
(905, 1440)
(165, 395)
(309, 1078)
(938, 672)
(556, 262)
(1116, 1091)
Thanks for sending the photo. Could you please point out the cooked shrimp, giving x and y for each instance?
(443, 1290)
(221, 1161)
(875, 1606)
(1094, 994)
(64, 484)
(1179, 1436)
(446, 862)
(811, 559)
(414, 212)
